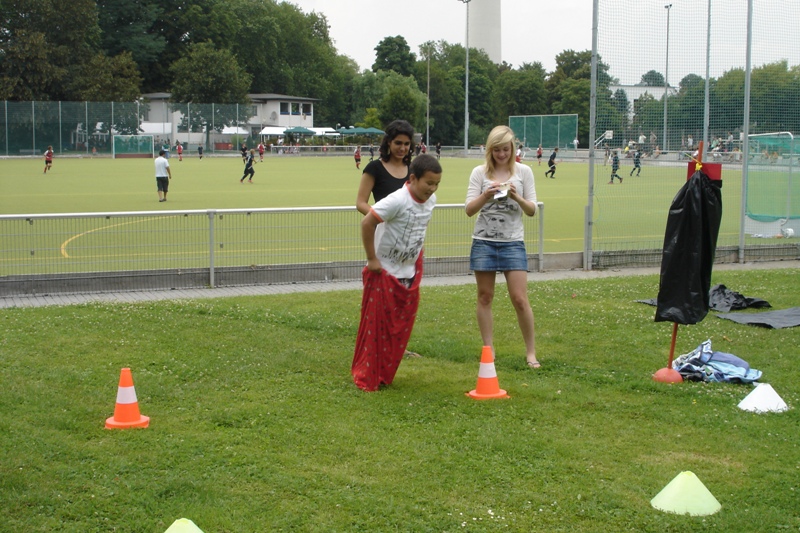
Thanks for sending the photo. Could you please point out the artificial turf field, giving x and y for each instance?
(635, 210)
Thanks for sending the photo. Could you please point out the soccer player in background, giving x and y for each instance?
(48, 159)
(552, 164)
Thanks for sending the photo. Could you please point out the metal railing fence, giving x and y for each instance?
(99, 252)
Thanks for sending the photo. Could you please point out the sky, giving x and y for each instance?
(632, 40)
(533, 30)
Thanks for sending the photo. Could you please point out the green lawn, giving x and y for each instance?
(256, 425)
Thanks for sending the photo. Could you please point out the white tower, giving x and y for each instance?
(484, 27)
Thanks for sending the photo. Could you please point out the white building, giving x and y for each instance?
(278, 110)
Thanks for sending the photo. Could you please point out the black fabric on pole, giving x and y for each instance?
(690, 242)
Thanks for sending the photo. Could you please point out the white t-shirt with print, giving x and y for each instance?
(400, 236)
(501, 220)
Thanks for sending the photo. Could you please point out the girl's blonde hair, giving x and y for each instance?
(499, 136)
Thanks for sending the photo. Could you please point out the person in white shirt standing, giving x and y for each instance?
(163, 176)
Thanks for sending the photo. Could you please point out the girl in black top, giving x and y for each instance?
(390, 171)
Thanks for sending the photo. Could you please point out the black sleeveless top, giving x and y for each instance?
(385, 183)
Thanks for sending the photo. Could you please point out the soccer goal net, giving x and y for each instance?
(548, 130)
(132, 146)
(773, 186)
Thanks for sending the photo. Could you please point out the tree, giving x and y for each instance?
(372, 89)
(208, 75)
(651, 78)
(728, 100)
(304, 61)
(446, 94)
(371, 119)
(400, 103)
(26, 72)
(43, 44)
(612, 113)
(519, 92)
(773, 98)
(648, 114)
(108, 79)
(393, 53)
(258, 38)
(689, 105)
(129, 26)
(569, 87)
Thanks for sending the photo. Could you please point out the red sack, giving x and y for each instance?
(388, 311)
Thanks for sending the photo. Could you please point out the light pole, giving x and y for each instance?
(666, 82)
(428, 101)
(466, 88)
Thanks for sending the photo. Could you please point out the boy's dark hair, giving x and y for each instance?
(162, 153)
(425, 163)
(395, 128)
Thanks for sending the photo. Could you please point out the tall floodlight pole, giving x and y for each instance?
(466, 88)
(428, 105)
(666, 82)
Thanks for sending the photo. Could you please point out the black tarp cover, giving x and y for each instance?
(690, 242)
(783, 318)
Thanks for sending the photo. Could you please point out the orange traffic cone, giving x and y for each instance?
(488, 387)
(126, 412)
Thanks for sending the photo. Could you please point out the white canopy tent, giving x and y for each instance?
(325, 132)
(234, 130)
(273, 131)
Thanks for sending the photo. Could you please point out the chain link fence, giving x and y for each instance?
(670, 75)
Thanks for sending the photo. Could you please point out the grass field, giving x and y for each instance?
(256, 425)
(625, 215)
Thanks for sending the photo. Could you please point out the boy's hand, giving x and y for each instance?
(374, 265)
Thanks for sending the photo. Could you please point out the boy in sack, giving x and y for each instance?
(393, 233)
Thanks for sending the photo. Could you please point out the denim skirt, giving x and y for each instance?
(491, 256)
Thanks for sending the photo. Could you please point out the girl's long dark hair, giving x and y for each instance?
(397, 127)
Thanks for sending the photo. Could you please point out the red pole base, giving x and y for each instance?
(668, 375)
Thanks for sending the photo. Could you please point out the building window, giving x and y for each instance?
(254, 110)
(307, 109)
(295, 108)
(284, 108)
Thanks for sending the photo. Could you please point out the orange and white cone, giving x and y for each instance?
(488, 386)
(126, 412)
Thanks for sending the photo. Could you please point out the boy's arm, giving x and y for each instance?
(368, 226)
